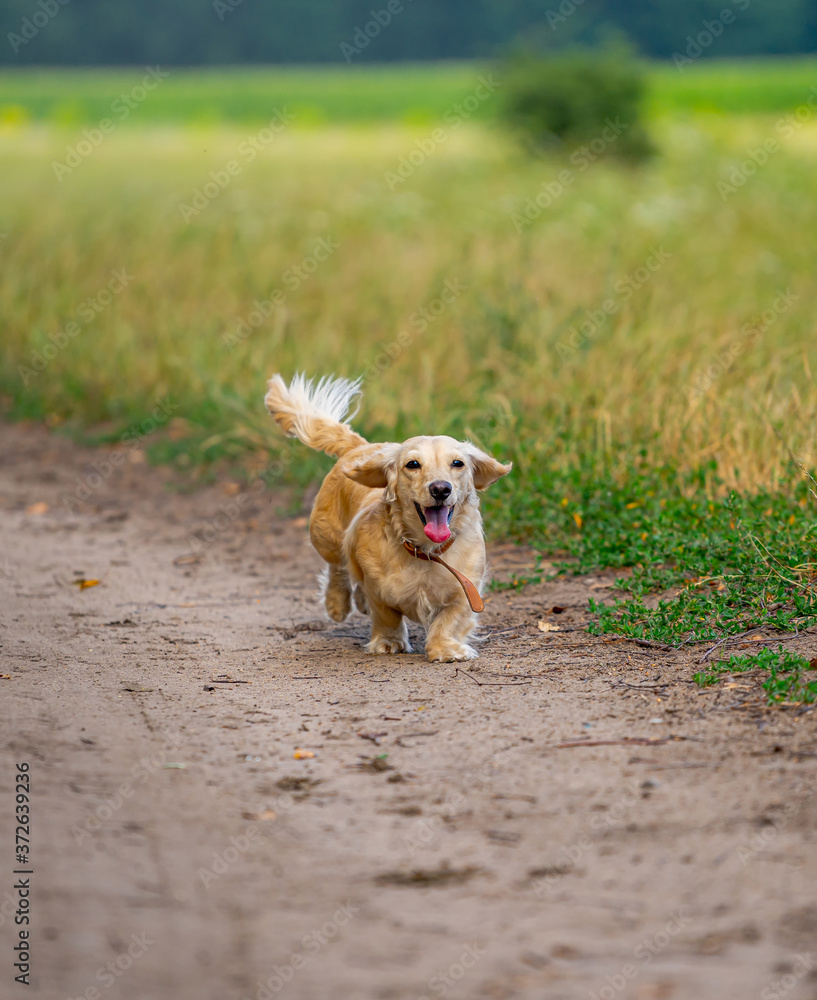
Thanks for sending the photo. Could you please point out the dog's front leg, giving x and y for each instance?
(389, 631)
(447, 634)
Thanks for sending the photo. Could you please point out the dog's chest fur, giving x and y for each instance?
(416, 588)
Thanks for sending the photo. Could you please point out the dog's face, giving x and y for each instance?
(430, 480)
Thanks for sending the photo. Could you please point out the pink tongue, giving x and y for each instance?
(437, 523)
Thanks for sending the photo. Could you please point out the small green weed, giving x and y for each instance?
(785, 683)
(729, 563)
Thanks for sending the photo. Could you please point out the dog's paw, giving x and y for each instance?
(388, 644)
(338, 604)
(451, 652)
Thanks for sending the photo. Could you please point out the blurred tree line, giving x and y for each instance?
(192, 32)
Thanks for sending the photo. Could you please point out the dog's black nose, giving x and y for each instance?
(440, 490)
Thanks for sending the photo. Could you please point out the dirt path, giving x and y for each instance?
(177, 839)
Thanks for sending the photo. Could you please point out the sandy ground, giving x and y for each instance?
(437, 841)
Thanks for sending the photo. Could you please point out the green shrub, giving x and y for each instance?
(578, 96)
(787, 681)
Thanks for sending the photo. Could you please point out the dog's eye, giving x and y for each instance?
(457, 464)
(413, 464)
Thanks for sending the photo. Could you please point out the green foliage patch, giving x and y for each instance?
(723, 565)
(332, 95)
(788, 680)
(578, 96)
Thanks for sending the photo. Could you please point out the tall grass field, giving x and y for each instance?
(640, 341)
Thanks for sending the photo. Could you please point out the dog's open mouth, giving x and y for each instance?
(435, 521)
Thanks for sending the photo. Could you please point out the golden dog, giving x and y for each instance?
(384, 516)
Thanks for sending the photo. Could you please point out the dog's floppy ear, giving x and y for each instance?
(486, 469)
(377, 468)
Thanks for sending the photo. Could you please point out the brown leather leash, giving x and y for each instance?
(471, 592)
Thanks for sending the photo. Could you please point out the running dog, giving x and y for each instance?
(384, 517)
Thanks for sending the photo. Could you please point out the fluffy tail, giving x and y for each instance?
(315, 413)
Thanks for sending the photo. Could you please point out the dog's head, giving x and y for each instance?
(430, 480)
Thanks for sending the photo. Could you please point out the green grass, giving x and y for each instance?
(321, 95)
(740, 86)
(786, 682)
(406, 93)
(507, 360)
(651, 436)
(731, 563)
